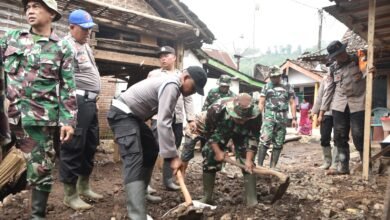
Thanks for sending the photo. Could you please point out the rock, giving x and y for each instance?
(352, 211)
(328, 213)
(378, 206)
(366, 201)
(50, 207)
(363, 207)
(226, 216)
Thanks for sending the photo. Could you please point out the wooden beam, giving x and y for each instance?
(192, 22)
(163, 8)
(179, 55)
(126, 58)
(135, 29)
(369, 79)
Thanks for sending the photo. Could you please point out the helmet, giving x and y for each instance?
(224, 80)
(52, 4)
(275, 71)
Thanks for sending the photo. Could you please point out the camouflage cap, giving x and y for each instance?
(52, 4)
(224, 80)
(275, 71)
(242, 107)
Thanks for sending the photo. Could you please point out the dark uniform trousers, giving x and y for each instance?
(76, 157)
(326, 130)
(137, 145)
(343, 122)
(177, 131)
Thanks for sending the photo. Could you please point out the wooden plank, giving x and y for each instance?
(369, 79)
(126, 58)
(179, 54)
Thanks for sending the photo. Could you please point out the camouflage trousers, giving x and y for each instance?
(210, 165)
(272, 132)
(37, 142)
(187, 152)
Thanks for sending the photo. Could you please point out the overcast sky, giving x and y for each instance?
(277, 22)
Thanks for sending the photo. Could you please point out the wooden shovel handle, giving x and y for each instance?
(183, 187)
(259, 170)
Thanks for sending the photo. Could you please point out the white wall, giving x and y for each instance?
(298, 79)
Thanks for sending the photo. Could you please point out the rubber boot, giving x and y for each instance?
(84, 189)
(151, 190)
(261, 155)
(148, 172)
(344, 163)
(38, 204)
(168, 177)
(250, 189)
(327, 155)
(335, 158)
(72, 198)
(208, 187)
(275, 157)
(135, 195)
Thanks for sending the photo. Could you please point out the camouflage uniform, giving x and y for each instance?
(221, 126)
(192, 137)
(275, 119)
(215, 94)
(41, 90)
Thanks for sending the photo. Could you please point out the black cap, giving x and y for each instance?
(335, 48)
(166, 49)
(199, 76)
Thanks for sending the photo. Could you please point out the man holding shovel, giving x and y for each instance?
(138, 148)
(237, 119)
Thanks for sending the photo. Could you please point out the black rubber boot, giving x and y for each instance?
(261, 155)
(38, 204)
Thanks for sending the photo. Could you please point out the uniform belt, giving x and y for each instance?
(87, 94)
(121, 106)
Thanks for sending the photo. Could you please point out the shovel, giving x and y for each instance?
(284, 179)
(189, 209)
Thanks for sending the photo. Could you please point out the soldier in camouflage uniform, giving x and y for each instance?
(220, 92)
(274, 100)
(41, 91)
(239, 120)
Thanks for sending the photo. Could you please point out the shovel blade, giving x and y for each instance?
(281, 190)
(200, 205)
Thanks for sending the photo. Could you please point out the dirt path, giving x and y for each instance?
(311, 195)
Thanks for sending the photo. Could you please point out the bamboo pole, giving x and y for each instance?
(369, 78)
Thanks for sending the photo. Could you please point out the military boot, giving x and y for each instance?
(261, 155)
(208, 187)
(84, 189)
(275, 157)
(168, 177)
(72, 198)
(327, 155)
(38, 204)
(148, 172)
(135, 200)
(250, 189)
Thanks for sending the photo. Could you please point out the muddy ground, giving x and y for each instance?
(311, 195)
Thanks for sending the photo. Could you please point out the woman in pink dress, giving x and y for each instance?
(305, 124)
